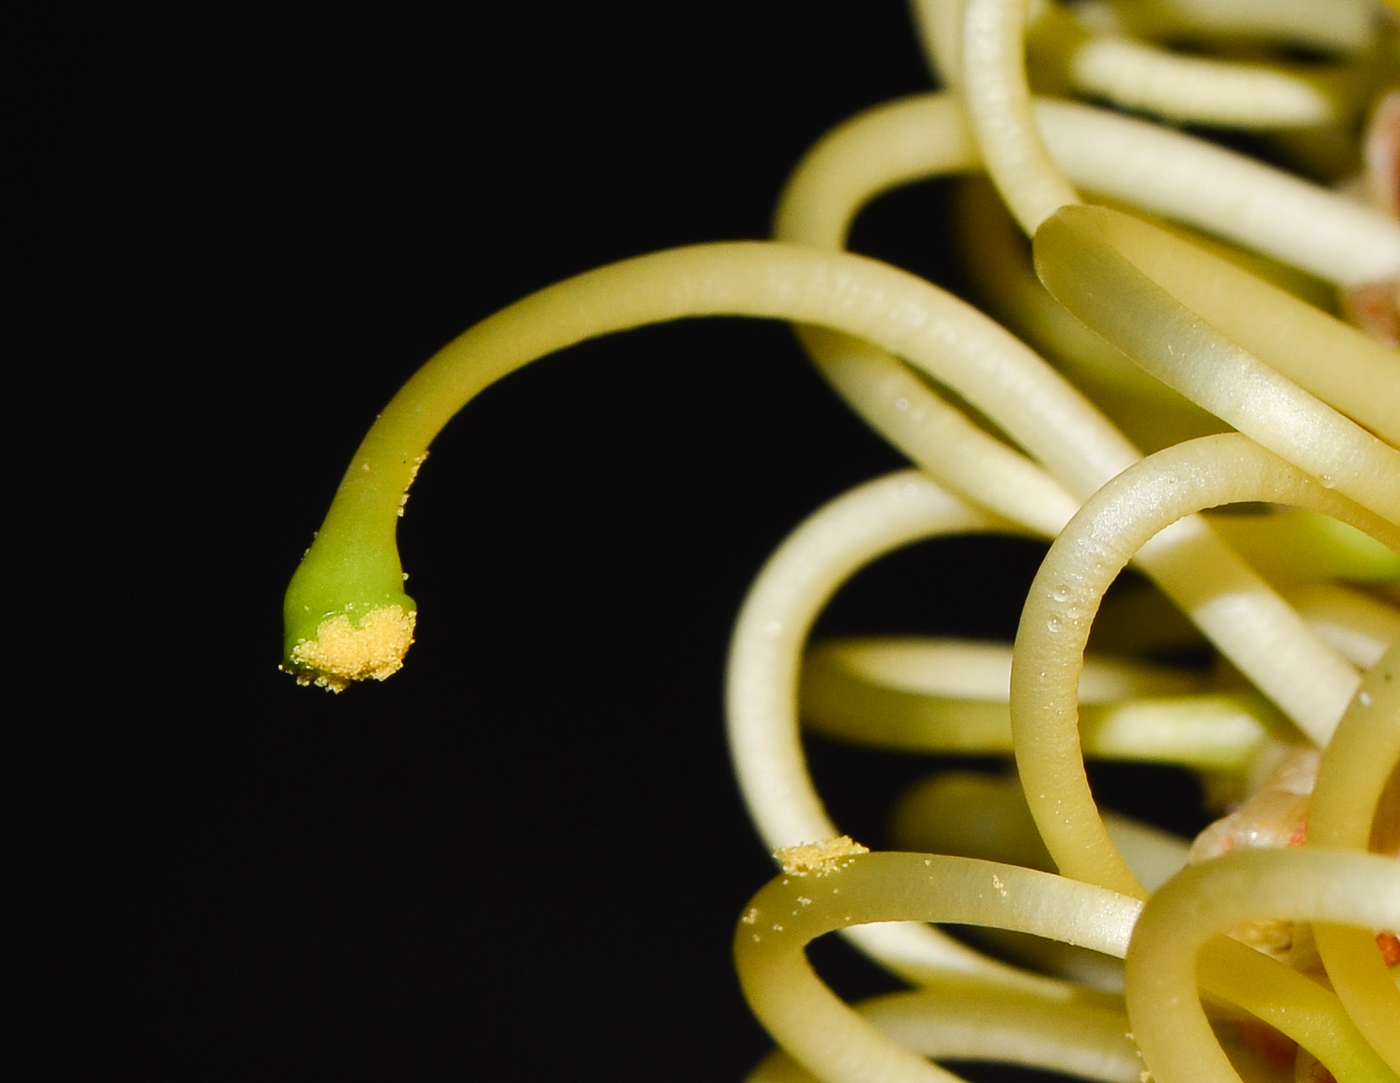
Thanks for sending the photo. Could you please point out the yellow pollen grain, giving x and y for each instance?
(818, 858)
(342, 652)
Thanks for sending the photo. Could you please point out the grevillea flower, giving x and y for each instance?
(1166, 345)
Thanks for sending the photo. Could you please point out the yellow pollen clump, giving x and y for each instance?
(342, 653)
(819, 858)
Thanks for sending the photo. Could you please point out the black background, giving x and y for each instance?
(523, 855)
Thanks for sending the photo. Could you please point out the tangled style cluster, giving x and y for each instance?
(1186, 297)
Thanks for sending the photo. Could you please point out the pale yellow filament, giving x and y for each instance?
(1124, 516)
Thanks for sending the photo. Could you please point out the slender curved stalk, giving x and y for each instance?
(1363, 755)
(761, 707)
(999, 105)
(960, 1019)
(823, 1034)
(1199, 90)
(1260, 375)
(935, 696)
(999, 265)
(1132, 161)
(352, 571)
(1340, 26)
(1306, 884)
(951, 448)
(938, 24)
(1252, 204)
(1114, 524)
